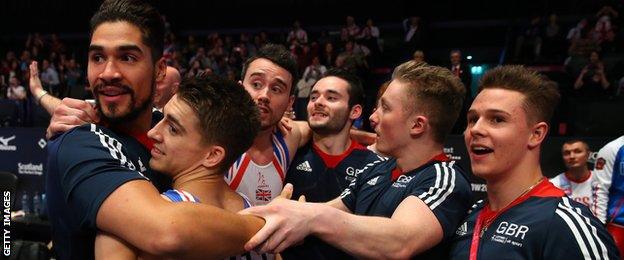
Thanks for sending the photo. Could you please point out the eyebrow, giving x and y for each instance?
(126, 47)
(279, 80)
(489, 111)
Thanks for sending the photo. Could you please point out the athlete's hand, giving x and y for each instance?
(34, 82)
(69, 114)
(285, 125)
(286, 223)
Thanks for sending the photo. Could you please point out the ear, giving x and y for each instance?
(161, 69)
(538, 134)
(420, 124)
(291, 100)
(214, 156)
(356, 112)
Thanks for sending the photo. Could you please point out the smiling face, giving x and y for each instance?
(269, 86)
(497, 135)
(328, 107)
(177, 139)
(392, 119)
(121, 71)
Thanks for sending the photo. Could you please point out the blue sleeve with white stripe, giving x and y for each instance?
(574, 233)
(446, 191)
(92, 164)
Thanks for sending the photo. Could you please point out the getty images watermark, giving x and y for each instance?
(6, 223)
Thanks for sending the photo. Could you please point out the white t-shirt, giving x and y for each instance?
(585, 192)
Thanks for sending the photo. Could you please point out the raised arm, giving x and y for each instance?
(47, 101)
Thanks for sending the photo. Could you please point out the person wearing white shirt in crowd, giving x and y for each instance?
(578, 182)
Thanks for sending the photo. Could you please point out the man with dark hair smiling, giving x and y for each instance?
(99, 178)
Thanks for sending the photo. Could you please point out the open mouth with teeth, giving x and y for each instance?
(319, 114)
(481, 150)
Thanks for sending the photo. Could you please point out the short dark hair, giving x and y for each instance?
(227, 115)
(279, 55)
(355, 90)
(541, 95)
(138, 13)
(433, 91)
(577, 140)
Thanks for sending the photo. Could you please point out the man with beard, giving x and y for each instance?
(331, 160)
(98, 177)
(398, 208)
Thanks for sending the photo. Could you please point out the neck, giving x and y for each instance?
(416, 155)
(334, 144)
(578, 173)
(141, 124)
(207, 184)
(502, 191)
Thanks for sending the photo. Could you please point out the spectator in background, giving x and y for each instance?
(552, 39)
(414, 36)
(592, 81)
(328, 58)
(50, 78)
(311, 75)
(370, 37)
(298, 34)
(73, 78)
(350, 30)
(603, 26)
(166, 88)
(15, 91)
(578, 182)
(529, 43)
(576, 32)
(418, 56)
(462, 71)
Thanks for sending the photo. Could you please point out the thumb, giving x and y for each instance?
(302, 198)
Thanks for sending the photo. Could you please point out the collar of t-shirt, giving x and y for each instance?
(396, 172)
(331, 161)
(544, 189)
(143, 139)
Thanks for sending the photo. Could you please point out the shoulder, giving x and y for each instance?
(558, 179)
(573, 222)
(612, 147)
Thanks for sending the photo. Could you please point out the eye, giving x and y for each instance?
(472, 119)
(313, 97)
(128, 58)
(256, 85)
(332, 98)
(276, 89)
(97, 58)
(173, 130)
(497, 120)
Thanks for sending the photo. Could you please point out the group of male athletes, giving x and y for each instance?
(106, 175)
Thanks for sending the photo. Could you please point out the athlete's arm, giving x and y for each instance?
(604, 173)
(111, 247)
(47, 101)
(363, 137)
(135, 212)
(400, 236)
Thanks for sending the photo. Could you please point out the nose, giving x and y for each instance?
(111, 72)
(263, 95)
(154, 133)
(374, 119)
(475, 129)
